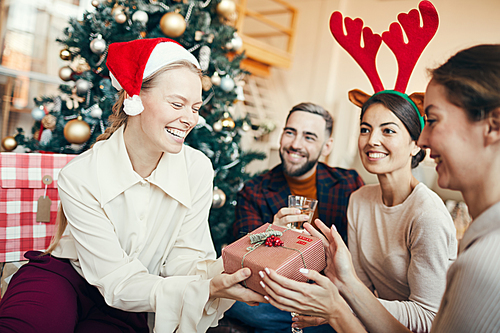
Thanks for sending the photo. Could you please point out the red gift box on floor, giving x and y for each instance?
(21, 185)
(298, 251)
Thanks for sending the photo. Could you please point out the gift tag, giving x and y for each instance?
(43, 209)
(44, 202)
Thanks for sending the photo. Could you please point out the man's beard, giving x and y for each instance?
(290, 171)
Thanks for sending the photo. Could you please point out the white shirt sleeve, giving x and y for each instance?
(110, 254)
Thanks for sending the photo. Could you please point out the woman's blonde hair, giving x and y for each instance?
(116, 120)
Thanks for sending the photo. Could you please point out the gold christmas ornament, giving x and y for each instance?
(95, 3)
(206, 83)
(9, 143)
(226, 9)
(218, 198)
(143, 34)
(65, 54)
(120, 18)
(77, 131)
(117, 9)
(227, 121)
(172, 24)
(49, 122)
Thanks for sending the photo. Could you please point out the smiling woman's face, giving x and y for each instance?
(454, 140)
(170, 110)
(384, 143)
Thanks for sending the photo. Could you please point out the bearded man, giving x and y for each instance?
(306, 138)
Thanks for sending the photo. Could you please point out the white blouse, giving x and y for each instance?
(143, 242)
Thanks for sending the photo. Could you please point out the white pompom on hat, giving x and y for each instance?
(129, 63)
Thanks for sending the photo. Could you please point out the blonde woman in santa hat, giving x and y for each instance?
(133, 232)
(462, 107)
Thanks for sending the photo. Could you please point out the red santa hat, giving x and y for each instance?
(130, 62)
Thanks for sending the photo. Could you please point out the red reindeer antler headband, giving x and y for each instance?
(407, 54)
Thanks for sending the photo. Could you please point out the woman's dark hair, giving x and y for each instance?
(471, 79)
(405, 112)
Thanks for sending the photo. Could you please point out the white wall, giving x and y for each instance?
(323, 72)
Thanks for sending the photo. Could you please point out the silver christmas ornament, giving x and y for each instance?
(98, 45)
(38, 113)
(140, 16)
(65, 73)
(236, 42)
(227, 83)
(82, 86)
(96, 112)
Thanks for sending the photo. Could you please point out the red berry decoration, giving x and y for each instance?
(273, 241)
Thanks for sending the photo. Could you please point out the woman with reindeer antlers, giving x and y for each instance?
(401, 236)
(462, 107)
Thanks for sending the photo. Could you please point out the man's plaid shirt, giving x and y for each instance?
(263, 196)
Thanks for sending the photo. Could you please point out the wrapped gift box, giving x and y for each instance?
(21, 186)
(298, 251)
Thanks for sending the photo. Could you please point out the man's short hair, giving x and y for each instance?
(315, 109)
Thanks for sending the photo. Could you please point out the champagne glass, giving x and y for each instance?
(306, 205)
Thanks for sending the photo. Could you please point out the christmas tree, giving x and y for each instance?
(71, 122)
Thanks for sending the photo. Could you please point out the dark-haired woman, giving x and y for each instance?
(401, 236)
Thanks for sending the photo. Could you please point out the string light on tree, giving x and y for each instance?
(173, 24)
(77, 131)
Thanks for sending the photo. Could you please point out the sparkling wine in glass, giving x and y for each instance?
(307, 206)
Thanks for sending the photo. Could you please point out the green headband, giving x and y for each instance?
(406, 97)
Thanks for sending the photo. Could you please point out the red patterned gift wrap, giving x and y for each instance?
(298, 251)
(21, 185)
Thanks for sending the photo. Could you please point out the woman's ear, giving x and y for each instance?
(358, 97)
(415, 150)
(493, 133)
(418, 99)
